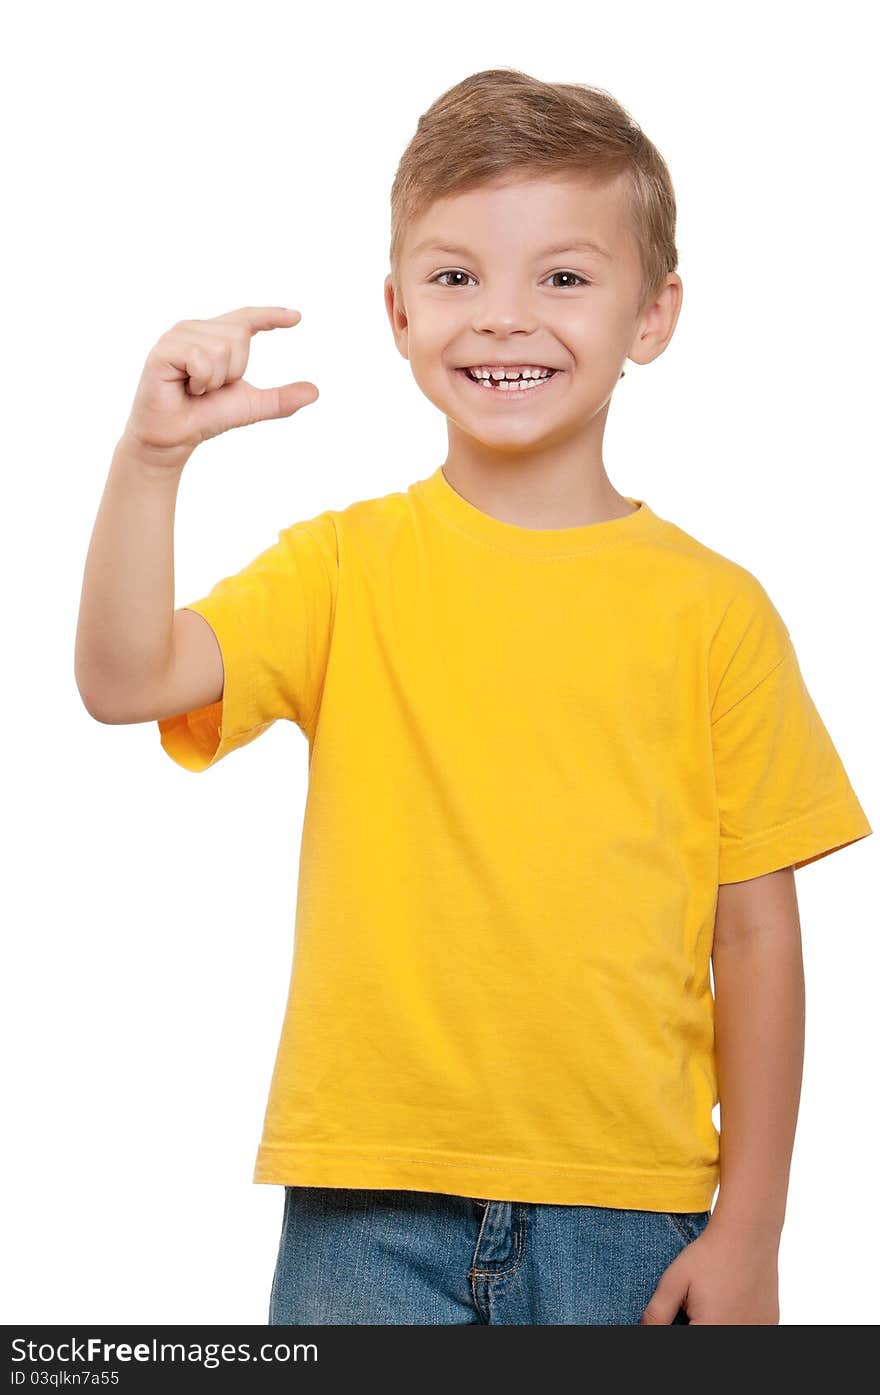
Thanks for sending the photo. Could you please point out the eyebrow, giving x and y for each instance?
(578, 244)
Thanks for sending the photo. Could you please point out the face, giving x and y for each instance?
(496, 276)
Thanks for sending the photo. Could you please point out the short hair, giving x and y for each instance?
(502, 121)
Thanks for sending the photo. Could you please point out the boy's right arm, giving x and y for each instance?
(137, 659)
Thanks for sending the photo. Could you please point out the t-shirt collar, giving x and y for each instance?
(440, 496)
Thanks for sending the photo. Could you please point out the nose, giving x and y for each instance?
(504, 312)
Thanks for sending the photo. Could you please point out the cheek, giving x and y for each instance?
(596, 319)
(432, 365)
(429, 344)
(429, 364)
(433, 379)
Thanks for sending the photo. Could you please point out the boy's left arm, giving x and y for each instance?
(728, 1275)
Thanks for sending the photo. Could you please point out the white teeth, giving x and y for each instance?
(512, 380)
(512, 374)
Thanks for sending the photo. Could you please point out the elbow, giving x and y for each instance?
(94, 698)
(96, 707)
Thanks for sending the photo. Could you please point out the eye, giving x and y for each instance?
(583, 280)
(440, 274)
(438, 279)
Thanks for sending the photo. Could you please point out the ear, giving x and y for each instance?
(397, 317)
(657, 321)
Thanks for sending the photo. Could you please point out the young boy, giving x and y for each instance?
(561, 757)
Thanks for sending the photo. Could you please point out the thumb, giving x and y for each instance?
(667, 1298)
(268, 404)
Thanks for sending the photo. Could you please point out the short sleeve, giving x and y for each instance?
(784, 797)
(273, 621)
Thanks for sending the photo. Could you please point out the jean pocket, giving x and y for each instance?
(688, 1225)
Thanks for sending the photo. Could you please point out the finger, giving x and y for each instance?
(255, 318)
(269, 404)
(229, 346)
(186, 357)
(665, 1301)
(198, 365)
(230, 336)
(222, 351)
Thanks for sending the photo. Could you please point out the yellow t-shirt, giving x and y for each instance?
(533, 756)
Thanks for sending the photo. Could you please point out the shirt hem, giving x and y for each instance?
(797, 843)
(493, 1179)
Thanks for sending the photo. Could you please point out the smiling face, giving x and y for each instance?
(537, 273)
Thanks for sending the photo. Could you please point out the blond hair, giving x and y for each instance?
(502, 122)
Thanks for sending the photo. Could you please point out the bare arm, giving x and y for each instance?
(126, 619)
(759, 1042)
(729, 1274)
(137, 659)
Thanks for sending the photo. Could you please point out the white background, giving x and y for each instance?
(177, 161)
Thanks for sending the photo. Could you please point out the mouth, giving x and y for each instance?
(511, 390)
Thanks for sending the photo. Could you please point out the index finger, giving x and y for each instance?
(257, 317)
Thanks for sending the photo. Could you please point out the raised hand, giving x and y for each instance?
(192, 386)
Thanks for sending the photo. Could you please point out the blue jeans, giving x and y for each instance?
(367, 1256)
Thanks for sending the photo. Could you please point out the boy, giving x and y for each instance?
(561, 756)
